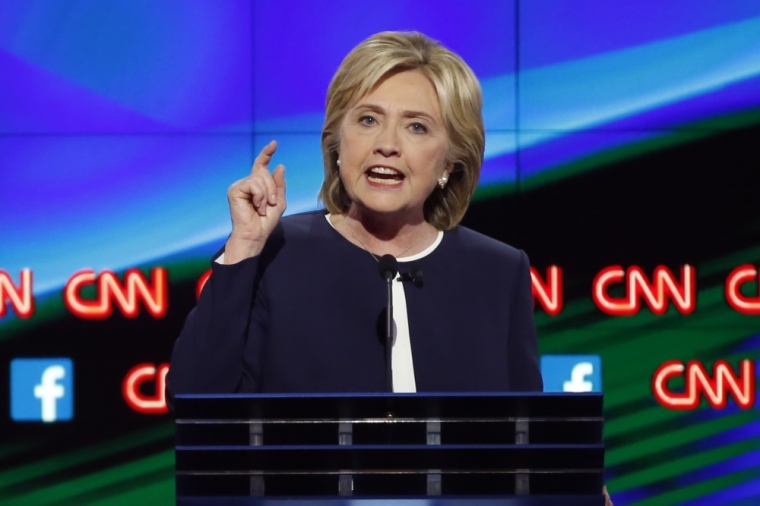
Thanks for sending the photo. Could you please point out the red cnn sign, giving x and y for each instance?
(138, 399)
(657, 293)
(698, 383)
(739, 276)
(548, 293)
(110, 290)
(201, 283)
(20, 297)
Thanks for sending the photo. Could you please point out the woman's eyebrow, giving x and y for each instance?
(370, 107)
(419, 114)
(406, 114)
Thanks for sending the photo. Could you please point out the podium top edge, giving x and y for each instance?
(314, 406)
(419, 395)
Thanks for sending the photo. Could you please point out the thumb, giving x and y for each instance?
(279, 181)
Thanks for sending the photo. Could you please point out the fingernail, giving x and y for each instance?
(273, 198)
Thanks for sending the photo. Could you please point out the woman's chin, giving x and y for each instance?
(386, 208)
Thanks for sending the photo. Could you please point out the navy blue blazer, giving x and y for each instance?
(307, 316)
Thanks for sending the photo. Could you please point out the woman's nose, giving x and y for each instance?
(387, 142)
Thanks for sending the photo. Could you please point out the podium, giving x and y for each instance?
(481, 449)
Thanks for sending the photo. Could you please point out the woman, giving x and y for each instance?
(296, 304)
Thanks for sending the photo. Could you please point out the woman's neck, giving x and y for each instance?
(386, 234)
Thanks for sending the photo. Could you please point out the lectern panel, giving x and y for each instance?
(332, 458)
(518, 449)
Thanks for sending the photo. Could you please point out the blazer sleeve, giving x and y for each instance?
(523, 366)
(208, 356)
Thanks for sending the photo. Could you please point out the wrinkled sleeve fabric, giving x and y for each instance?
(524, 369)
(209, 354)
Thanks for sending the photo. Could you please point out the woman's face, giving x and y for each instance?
(393, 145)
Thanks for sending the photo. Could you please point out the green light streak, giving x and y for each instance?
(161, 492)
(679, 495)
(687, 434)
(52, 465)
(675, 467)
(160, 463)
(678, 136)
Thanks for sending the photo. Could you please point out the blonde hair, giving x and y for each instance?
(461, 102)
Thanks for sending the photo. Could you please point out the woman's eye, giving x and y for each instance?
(367, 120)
(419, 128)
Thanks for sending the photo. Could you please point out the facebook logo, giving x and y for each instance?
(572, 373)
(42, 389)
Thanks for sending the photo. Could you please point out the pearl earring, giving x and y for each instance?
(442, 181)
(338, 162)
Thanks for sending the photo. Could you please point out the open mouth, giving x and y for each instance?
(384, 176)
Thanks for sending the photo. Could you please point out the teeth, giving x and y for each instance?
(384, 181)
(384, 170)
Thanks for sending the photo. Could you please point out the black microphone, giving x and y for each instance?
(388, 266)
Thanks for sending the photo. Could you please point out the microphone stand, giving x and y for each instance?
(389, 335)
(388, 269)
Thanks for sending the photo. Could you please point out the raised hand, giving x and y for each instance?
(256, 205)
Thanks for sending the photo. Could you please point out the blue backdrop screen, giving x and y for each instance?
(617, 133)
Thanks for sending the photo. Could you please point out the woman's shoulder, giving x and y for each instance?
(299, 232)
(480, 247)
(303, 221)
(297, 236)
(302, 225)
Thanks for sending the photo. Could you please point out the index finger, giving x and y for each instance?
(262, 161)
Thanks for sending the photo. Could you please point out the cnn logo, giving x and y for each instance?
(699, 384)
(110, 291)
